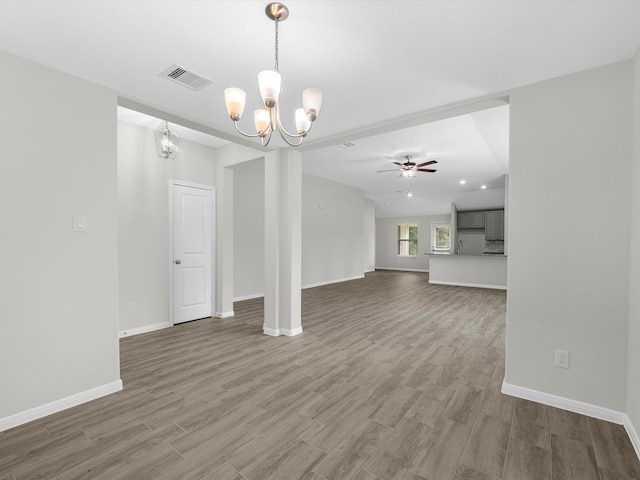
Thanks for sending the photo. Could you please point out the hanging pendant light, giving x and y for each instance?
(166, 142)
(267, 120)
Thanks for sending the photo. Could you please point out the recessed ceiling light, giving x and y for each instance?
(483, 187)
(462, 182)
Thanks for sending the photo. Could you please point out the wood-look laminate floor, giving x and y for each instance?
(392, 379)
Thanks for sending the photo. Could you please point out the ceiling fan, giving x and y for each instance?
(408, 169)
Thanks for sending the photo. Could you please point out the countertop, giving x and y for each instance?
(475, 255)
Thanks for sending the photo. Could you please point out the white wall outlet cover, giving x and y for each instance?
(562, 358)
(79, 223)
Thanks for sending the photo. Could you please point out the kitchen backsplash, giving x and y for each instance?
(494, 246)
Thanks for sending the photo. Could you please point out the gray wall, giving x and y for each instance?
(248, 229)
(570, 165)
(633, 374)
(143, 220)
(369, 230)
(59, 289)
(337, 231)
(333, 242)
(387, 242)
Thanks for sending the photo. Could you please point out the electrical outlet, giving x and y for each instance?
(562, 359)
(131, 307)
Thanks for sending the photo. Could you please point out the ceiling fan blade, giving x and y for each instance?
(430, 162)
(392, 170)
(397, 163)
(426, 170)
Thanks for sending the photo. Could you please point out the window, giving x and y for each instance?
(408, 240)
(440, 237)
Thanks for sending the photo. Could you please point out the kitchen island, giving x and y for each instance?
(469, 270)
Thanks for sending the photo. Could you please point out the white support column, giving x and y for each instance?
(224, 241)
(283, 243)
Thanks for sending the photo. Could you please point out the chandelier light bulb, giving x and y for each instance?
(262, 119)
(303, 124)
(269, 83)
(235, 100)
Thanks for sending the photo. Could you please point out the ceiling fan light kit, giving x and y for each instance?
(267, 120)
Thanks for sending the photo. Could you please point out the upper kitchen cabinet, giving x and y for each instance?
(494, 225)
(471, 220)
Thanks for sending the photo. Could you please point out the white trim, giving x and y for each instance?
(422, 270)
(224, 314)
(633, 435)
(59, 405)
(147, 328)
(476, 285)
(291, 333)
(271, 332)
(577, 407)
(369, 270)
(281, 331)
(248, 297)
(329, 282)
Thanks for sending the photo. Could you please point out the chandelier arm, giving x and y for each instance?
(268, 138)
(292, 144)
(235, 124)
(282, 130)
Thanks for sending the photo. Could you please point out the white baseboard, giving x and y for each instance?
(421, 270)
(309, 285)
(282, 331)
(564, 403)
(147, 328)
(224, 314)
(370, 270)
(59, 405)
(248, 297)
(475, 285)
(329, 282)
(633, 435)
(577, 407)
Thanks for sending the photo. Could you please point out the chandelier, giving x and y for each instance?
(267, 119)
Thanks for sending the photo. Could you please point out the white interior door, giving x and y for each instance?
(192, 253)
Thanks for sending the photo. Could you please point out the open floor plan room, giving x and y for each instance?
(393, 379)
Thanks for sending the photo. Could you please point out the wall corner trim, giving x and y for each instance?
(282, 331)
(271, 332)
(576, 406)
(224, 314)
(291, 332)
(59, 405)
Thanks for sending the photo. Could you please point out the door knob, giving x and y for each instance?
(178, 262)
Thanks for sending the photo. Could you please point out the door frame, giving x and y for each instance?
(212, 189)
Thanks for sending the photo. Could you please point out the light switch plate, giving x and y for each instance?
(79, 223)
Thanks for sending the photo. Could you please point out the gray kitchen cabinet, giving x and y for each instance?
(494, 225)
(470, 220)
(464, 220)
(477, 219)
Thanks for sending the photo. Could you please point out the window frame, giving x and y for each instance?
(407, 246)
(434, 227)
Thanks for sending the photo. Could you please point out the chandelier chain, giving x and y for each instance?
(276, 66)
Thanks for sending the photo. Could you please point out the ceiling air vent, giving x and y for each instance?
(185, 77)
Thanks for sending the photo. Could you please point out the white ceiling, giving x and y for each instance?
(383, 66)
